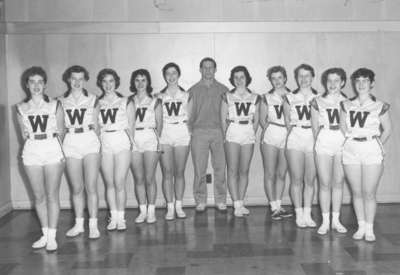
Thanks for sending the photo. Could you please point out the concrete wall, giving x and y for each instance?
(126, 35)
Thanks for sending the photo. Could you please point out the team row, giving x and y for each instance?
(132, 131)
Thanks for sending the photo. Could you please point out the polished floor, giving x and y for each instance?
(207, 243)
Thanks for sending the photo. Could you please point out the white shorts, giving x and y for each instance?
(145, 140)
(115, 142)
(329, 142)
(175, 135)
(300, 139)
(362, 152)
(79, 145)
(42, 152)
(275, 135)
(240, 133)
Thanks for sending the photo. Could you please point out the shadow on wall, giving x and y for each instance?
(17, 129)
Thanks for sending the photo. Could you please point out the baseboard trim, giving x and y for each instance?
(160, 202)
(5, 209)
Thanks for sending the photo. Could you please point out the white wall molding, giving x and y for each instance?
(199, 27)
(252, 201)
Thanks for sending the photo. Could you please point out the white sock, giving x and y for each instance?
(325, 218)
(114, 214)
(369, 228)
(361, 225)
(170, 205)
(143, 208)
(151, 208)
(273, 205)
(178, 204)
(79, 222)
(121, 215)
(44, 231)
(307, 212)
(335, 217)
(299, 212)
(51, 233)
(278, 204)
(93, 222)
(236, 204)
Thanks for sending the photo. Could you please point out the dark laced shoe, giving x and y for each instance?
(276, 215)
(285, 213)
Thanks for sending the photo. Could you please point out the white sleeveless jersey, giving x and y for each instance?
(174, 108)
(363, 120)
(300, 109)
(112, 114)
(328, 108)
(241, 108)
(39, 119)
(78, 113)
(275, 107)
(145, 112)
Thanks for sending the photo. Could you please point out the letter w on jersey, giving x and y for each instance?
(173, 107)
(278, 110)
(78, 114)
(242, 108)
(359, 117)
(303, 110)
(140, 113)
(38, 121)
(108, 114)
(333, 115)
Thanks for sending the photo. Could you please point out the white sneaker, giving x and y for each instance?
(51, 245)
(245, 211)
(300, 222)
(112, 225)
(141, 218)
(75, 231)
(323, 229)
(309, 222)
(201, 207)
(121, 225)
(221, 207)
(94, 232)
(180, 213)
(360, 233)
(170, 214)
(370, 237)
(51, 240)
(339, 227)
(238, 212)
(40, 243)
(151, 218)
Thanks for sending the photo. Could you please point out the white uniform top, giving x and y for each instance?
(112, 114)
(241, 108)
(174, 108)
(363, 120)
(300, 109)
(328, 107)
(78, 113)
(145, 112)
(275, 107)
(39, 119)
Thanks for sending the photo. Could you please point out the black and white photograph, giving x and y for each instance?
(199, 137)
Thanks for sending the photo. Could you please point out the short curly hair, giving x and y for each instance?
(103, 73)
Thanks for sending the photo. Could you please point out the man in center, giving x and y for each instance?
(207, 135)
